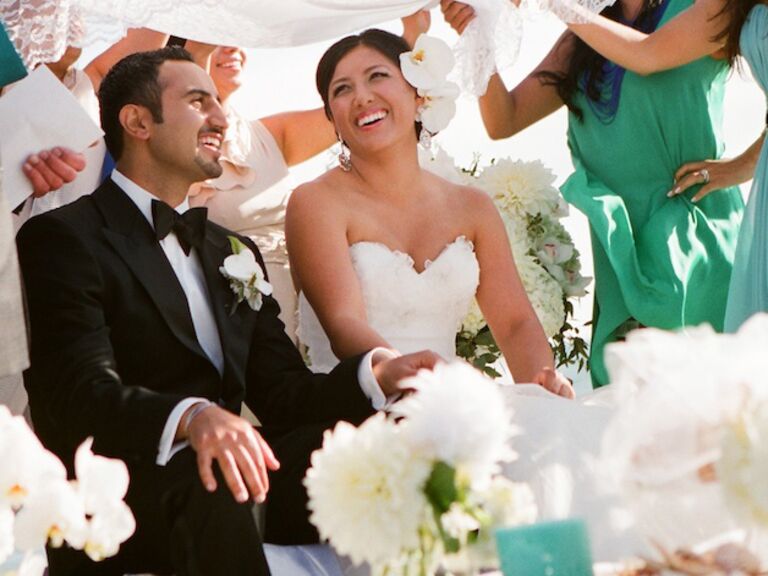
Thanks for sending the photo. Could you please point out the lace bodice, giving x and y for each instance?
(412, 310)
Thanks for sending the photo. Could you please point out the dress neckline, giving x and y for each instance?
(458, 241)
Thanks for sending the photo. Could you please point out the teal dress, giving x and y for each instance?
(661, 262)
(749, 283)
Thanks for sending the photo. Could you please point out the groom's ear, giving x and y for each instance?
(136, 121)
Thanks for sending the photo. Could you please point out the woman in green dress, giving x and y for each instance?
(659, 261)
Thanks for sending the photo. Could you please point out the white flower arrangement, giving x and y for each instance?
(246, 277)
(547, 260)
(403, 495)
(39, 506)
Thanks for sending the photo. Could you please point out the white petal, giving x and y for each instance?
(264, 287)
(436, 115)
(109, 528)
(55, 510)
(33, 565)
(241, 266)
(428, 64)
(101, 481)
(6, 533)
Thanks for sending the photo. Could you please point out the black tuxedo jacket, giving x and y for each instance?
(113, 347)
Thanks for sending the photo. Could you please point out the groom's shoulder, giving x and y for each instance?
(81, 217)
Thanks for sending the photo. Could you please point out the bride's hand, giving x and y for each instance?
(555, 382)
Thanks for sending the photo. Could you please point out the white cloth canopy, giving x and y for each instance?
(40, 28)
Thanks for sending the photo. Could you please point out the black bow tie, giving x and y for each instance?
(188, 227)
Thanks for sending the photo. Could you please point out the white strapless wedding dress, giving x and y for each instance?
(412, 310)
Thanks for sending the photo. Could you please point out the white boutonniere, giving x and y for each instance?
(245, 275)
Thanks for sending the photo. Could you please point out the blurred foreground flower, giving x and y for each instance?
(408, 495)
(39, 506)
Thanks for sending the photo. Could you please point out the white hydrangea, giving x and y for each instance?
(519, 188)
(365, 491)
(458, 416)
(544, 292)
(474, 321)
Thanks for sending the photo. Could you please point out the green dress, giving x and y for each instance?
(661, 262)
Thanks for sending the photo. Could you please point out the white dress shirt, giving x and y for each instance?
(189, 271)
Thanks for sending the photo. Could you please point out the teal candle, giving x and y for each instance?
(556, 548)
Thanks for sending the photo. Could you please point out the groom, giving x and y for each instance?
(136, 340)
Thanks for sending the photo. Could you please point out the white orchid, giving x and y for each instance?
(438, 106)
(108, 528)
(101, 481)
(245, 274)
(54, 514)
(33, 466)
(458, 416)
(427, 66)
(39, 506)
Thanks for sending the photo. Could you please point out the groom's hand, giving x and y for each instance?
(390, 371)
(242, 454)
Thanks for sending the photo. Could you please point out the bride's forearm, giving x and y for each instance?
(525, 349)
(352, 337)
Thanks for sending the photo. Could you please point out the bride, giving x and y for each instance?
(386, 253)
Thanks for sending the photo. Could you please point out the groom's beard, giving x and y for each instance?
(211, 168)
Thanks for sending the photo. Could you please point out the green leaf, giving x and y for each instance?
(441, 490)
(485, 338)
(236, 245)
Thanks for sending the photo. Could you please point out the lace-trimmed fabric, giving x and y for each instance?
(41, 29)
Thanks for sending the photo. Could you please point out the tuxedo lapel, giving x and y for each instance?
(234, 343)
(132, 237)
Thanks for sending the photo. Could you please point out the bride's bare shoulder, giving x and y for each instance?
(324, 190)
(466, 198)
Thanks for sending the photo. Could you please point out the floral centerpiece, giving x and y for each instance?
(688, 445)
(408, 494)
(546, 258)
(39, 506)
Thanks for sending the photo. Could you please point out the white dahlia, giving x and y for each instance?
(458, 416)
(519, 188)
(365, 491)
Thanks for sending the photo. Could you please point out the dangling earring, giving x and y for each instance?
(425, 138)
(345, 159)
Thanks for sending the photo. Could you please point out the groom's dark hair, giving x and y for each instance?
(133, 80)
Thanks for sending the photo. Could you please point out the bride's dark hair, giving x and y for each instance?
(385, 43)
